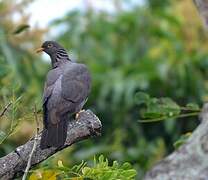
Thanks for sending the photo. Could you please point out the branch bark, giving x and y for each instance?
(13, 164)
(190, 161)
(202, 6)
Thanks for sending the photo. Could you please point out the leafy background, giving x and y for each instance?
(159, 48)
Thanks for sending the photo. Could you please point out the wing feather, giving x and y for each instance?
(76, 82)
(52, 77)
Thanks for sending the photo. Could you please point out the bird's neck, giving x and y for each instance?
(59, 58)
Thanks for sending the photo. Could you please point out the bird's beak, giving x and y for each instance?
(39, 50)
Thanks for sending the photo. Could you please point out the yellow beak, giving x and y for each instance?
(39, 50)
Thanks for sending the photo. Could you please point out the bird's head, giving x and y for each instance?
(50, 47)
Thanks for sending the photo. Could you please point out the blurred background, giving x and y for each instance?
(154, 46)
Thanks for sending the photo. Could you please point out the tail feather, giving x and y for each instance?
(55, 134)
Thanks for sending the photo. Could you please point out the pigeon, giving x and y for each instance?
(66, 90)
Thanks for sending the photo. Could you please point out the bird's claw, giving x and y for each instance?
(78, 114)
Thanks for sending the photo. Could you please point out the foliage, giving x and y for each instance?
(14, 120)
(101, 170)
(21, 28)
(182, 140)
(158, 109)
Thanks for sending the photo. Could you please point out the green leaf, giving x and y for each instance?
(193, 107)
(141, 98)
(126, 166)
(60, 164)
(2, 134)
(129, 173)
(163, 107)
(108, 175)
(21, 28)
(86, 171)
(152, 115)
(182, 140)
(115, 164)
(169, 107)
(77, 168)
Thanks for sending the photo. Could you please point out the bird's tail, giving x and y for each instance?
(55, 134)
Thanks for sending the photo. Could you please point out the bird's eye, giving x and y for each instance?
(50, 45)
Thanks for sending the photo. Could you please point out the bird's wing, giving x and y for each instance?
(51, 79)
(76, 82)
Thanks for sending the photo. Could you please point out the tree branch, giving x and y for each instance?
(202, 6)
(5, 109)
(190, 161)
(13, 164)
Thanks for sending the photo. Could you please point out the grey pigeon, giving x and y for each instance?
(66, 90)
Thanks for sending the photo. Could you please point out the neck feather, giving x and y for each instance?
(59, 57)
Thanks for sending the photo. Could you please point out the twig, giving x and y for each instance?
(5, 109)
(165, 117)
(34, 145)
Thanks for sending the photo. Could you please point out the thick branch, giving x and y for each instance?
(189, 162)
(14, 163)
(202, 6)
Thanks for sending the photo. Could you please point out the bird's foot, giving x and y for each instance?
(78, 114)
